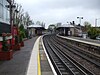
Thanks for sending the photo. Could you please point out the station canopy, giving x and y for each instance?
(65, 26)
(36, 26)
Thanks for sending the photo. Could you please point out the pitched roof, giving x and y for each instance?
(66, 25)
(34, 26)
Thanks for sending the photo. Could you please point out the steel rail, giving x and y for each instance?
(77, 51)
(78, 65)
(51, 46)
(57, 62)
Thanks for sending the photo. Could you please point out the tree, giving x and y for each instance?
(22, 32)
(38, 23)
(93, 32)
(42, 24)
(87, 24)
(27, 20)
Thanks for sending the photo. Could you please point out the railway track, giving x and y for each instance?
(63, 64)
(77, 51)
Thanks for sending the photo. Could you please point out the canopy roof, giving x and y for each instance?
(66, 25)
(36, 26)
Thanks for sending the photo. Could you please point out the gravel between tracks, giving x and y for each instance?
(85, 63)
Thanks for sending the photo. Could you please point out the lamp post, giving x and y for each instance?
(11, 6)
(96, 21)
(80, 19)
(80, 31)
(16, 15)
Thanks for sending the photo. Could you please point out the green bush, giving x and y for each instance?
(21, 33)
(26, 33)
(93, 32)
(16, 39)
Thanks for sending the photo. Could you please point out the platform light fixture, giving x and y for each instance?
(80, 19)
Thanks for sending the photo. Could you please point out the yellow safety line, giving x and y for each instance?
(39, 66)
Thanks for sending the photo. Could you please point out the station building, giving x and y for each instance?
(35, 30)
(69, 30)
(65, 29)
(4, 17)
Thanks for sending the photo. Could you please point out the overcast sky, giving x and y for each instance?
(54, 11)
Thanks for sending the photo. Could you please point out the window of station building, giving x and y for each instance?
(6, 11)
(1, 9)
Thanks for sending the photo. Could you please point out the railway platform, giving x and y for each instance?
(87, 41)
(30, 60)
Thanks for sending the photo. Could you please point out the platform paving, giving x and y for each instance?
(85, 39)
(33, 68)
(20, 62)
(45, 66)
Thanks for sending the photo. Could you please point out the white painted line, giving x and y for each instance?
(51, 65)
(33, 63)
